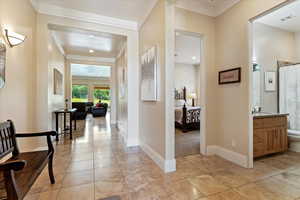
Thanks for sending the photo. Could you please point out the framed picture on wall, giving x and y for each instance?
(58, 82)
(2, 64)
(230, 76)
(149, 62)
(270, 81)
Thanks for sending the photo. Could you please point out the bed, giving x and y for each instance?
(187, 118)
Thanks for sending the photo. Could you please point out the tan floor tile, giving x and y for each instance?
(184, 190)
(228, 195)
(81, 192)
(50, 195)
(78, 178)
(81, 166)
(269, 189)
(110, 188)
(43, 183)
(208, 185)
(108, 174)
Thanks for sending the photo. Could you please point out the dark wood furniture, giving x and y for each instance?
(190, 117)
(22, 169)
(270, 134)
(64, 112)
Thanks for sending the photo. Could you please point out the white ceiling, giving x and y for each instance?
(274, 18)
(187, 49)
(80, 42)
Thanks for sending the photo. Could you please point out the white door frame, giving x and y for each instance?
(202, 74)
(250, 91)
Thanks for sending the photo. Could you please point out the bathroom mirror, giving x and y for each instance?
(2, 64)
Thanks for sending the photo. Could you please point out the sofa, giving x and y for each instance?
(100, 110)
(82, 109)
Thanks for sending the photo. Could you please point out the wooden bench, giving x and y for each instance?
(19, 172)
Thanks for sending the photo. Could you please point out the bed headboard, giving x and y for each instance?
(180, 94)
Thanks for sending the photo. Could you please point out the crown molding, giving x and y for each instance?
(204, 8)
(147, 13)
(35, 4)
(91, 59)
(58, 43)
(58, 11)
(225, 6)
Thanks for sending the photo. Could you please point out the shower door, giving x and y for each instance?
(289, 94)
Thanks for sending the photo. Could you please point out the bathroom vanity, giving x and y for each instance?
(269, 134)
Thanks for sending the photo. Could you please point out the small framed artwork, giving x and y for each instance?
(270, 81)
(58, 82)
(230, 76)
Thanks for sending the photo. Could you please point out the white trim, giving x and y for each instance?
(206, 9)
(58, 43)
(147, 13)
(250, 92)
(166, 165)
(231, 156)
(35, 4)
(58, 11)
(91, 59)
(222, 9)
(132, 142)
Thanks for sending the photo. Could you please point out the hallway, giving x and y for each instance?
(96, 165)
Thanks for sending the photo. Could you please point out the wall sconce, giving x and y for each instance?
(14, 39)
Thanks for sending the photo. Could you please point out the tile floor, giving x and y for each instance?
(187, 143)
(96, 165)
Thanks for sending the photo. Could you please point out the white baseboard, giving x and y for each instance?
(132, 143)
(231, 156)
(166, 165)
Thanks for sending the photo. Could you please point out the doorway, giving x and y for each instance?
(275, 58)
(187, 89)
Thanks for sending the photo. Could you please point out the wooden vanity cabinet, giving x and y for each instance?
(270, 135)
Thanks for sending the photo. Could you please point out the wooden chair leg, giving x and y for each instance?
(50, 169)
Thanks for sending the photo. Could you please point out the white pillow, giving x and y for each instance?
(179, 103)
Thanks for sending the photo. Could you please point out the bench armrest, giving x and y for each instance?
(49, 133)
(15, 165)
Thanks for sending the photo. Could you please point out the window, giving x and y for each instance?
(80, 93)
(103, 94)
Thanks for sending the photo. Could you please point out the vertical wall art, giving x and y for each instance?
(2, 64)
(149, 62)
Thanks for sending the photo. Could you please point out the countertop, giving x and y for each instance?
(264, 115)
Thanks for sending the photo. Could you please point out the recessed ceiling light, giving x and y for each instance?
(91, 51)
(194, 58)
(91, 36)
(291, 16)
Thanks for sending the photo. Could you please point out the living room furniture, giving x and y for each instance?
(22, 169)
(64, 112)
(100, 111)
(82, 110)
(270, 134)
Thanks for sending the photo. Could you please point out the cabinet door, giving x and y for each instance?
(276, 140)
(259, 142)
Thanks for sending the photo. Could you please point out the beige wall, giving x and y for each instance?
(122, 93)
(232, 50)
(271, 44)
(297, 38)
(205, 26)
(152, 114)
(17, 98)
(56, 61)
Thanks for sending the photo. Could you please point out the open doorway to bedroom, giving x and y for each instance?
(276, 86)
(187, 93)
